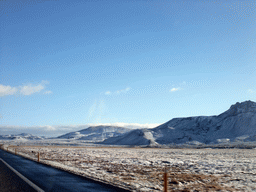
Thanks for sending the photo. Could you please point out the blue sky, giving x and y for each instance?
(73, 63)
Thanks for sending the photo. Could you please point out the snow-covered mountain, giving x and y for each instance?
(135, 137)
(22, 136)
(96, 133)
(238, 123)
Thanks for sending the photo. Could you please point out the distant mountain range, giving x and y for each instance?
(22, 137)
(96, 133)
(236, 124)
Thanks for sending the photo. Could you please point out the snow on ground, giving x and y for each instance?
(141, 169)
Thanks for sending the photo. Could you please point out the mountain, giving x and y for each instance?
(238, 123)
(135, 137)
(95, 133)
(22, 136)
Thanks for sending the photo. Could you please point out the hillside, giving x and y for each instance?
(95, 133)
(238, 123)
(22, 137)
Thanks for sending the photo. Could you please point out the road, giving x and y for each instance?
(10, 182)
(52, 179)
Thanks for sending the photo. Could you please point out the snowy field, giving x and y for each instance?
(141, 169)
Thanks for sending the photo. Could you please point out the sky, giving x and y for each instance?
(67, 64)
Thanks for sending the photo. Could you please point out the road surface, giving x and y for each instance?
(52, 179)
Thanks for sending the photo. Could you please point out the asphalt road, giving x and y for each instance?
(10, 182)
(52, 179)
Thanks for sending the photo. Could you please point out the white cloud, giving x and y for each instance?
(123, 90)
(47, 92)
(118, 91)
(7, 90)
(97, 111)
(250, 91)
(175, 89)
(178, 87)
(48, 128)
(92, 109)
(128, 125)
(28, 89)
(108, 93)
(31, 89)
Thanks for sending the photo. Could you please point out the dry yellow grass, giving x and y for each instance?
(151, 175)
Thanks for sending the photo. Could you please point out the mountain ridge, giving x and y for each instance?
(238, 121)
(21, 136)
(95, 133)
